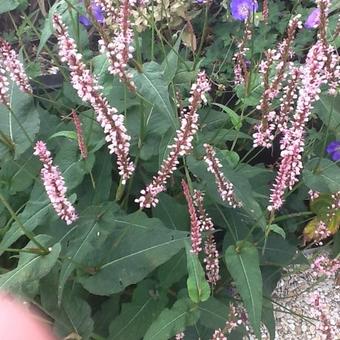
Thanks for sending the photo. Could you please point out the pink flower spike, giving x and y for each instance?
(80, 135)
(292, 142)
(55, 185)
(88, 90)
(14, 67)
(224, 187)
(196, 238)
(120, 50)
(182, 144)
(3, 87)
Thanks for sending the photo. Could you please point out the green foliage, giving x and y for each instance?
(120, 272)
(243, 264)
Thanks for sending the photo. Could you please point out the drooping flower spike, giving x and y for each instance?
(88, 90)
(3, 87)
(182, 144)
(195, 223)
(80, 135)
(119, 50)
(242, 9)
(224, 187)
(11, 63)
(55, 185)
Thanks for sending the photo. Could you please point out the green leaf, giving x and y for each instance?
(171, 321)
(137, 316)
(328, 110)
(153, 87)
(268, 317)
(234, 117)
(278, 251)
(74, 315)
(19, 126)
(277, 229)
(79, 243)
(169, 64)
(31, 267)
(198, 287)
(136, 246)
(68, 134)
(214, 313)
(173, 270)
(243, 264)
(8, 5)
(322, 175)
(171, 213)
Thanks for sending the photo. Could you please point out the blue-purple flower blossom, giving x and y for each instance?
(241, 9)
(333, 149)
(313, 19)
(97, 13)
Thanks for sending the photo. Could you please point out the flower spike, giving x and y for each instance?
(88, 90)
(182, 145)
(55, 185)
(12, 64)
(224, 187)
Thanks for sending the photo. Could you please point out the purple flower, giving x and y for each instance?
(240, 9)
(333, 149)
(313, 19)
(97, 13)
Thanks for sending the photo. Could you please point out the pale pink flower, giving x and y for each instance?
(179, 336)
(195, 229)
(55, 185)
(218, 335)
(323, 265)
(182, 144)
(224, 187)
(3, 87)
(313, 195)
(321, 232)
(265, 130)
(107, 7)
(319, 311)
(120, 50)
(292, 142)
(80, 135)
(14, 67)
(88, 90)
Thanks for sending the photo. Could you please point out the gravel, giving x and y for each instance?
(311, 306)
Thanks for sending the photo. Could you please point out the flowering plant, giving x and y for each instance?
(149, 191)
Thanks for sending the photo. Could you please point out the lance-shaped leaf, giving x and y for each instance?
(137, 316)
(198, 287)
(87, 238)
(214, 313)
(171, 321)
(19, 125)
(152, 86)
(243, 264)
(31, 267)
(137, 245)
